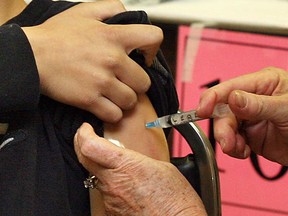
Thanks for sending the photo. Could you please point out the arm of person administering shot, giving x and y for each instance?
(134, 184)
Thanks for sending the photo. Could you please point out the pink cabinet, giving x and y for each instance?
(220, 55)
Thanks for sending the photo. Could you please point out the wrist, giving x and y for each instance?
(37, 40)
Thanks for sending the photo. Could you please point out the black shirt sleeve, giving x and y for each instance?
(19, 80)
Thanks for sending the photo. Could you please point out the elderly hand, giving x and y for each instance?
(260, 114)
(84, 62)
(134, 184)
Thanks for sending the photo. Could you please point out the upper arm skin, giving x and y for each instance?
(133, 134)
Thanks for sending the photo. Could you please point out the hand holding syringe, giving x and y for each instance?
(220, 110)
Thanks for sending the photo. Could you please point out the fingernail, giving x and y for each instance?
(116, 142)
(240, 100)
(197, 109)
(246, 151)
(222, 144)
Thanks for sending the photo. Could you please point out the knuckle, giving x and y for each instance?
(106, 113)
(154, 35)
(158, 33)
(112, 60)
(129, 101)
(155, 31)
(111, 32)
(262, 107)
(141, 81)
(272, 69)
(114, 117)
(110, 115)
(269, 68)
(116, 3)
(145, 84)
(208, 92)
(89, 101)
(276, 80)
(103, 81)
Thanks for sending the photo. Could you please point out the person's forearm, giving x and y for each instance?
(132, 183)
(18, 72)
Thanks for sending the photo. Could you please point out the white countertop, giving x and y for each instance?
(269, 16)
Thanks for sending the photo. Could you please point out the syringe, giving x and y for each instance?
(220, 110)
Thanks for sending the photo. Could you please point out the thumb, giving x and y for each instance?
(255, 107)
(94, 151)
